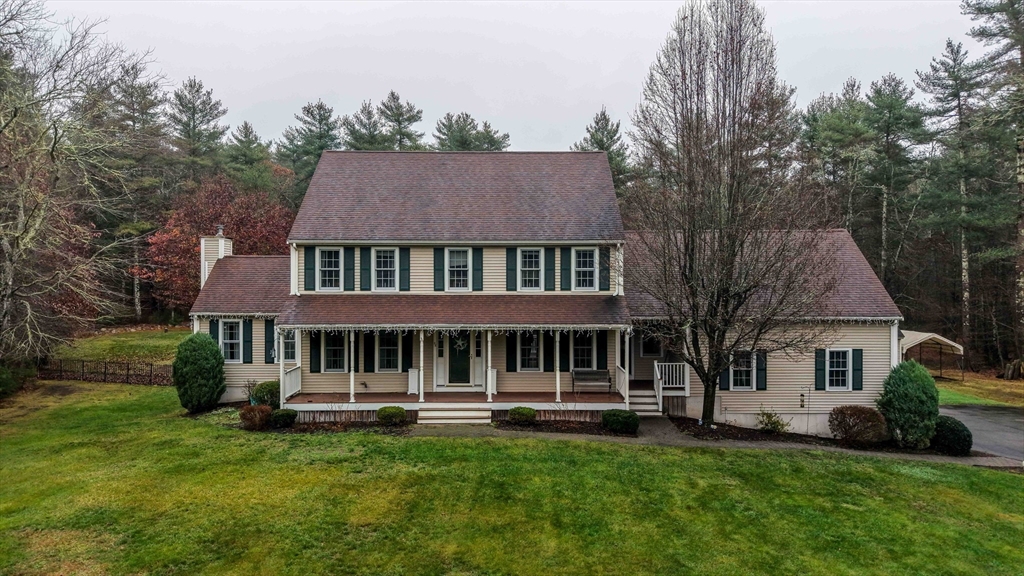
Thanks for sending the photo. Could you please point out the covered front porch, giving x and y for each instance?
(503, 401)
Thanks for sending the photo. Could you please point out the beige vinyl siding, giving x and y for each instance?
(376, 382)
(537, 381)
(788, 378)
(235, 374)
(421, 269)
(643, 368)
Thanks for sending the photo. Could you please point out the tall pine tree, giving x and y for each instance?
(193, 118)
(301, 146)
(398, 120)
(364, 130)
(247, 160)
(603, 135)
(461, 132)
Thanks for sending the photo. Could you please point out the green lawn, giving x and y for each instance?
(156, 346)
(949, 397)
(113, 479)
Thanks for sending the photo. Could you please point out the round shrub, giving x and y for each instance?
(910, 404)
(268, 393)
(952, 437)
(856, 425)
(198, 373)
(284, 418)
(391, 415)
(255, 417)
(620, 421)
(522, 415)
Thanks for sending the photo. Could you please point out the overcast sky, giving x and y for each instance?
(536, 71)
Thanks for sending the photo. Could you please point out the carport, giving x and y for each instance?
(931, 341)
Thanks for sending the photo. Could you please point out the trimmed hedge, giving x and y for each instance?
(284, 418)
(268, 393)
(522, 415)
(910, 404)
(952, 437)
(391, 415)
(255, 417)
(620, 421)
(198, 373)
(856, 425)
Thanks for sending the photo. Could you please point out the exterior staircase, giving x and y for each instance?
(644, 402)
(453, 414)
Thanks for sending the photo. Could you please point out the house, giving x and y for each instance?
(459, 285)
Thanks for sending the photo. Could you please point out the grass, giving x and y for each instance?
(155, 346)
(949, 397)
(980, 389)
(114, 479)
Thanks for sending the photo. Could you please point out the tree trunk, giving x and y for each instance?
(965, 276)
(883, 260)
(1019, 296)
(707, 415)
(135, 285)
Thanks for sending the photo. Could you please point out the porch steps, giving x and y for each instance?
(453, 415)
(644, 402)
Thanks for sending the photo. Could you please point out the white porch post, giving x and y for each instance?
(298, 348)
(629, 360)
(490, 385)
(280, 362)
(421, 366)
(558, 366)
(894, 344)
(351, 366)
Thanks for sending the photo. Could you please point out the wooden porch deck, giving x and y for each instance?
(447, 397)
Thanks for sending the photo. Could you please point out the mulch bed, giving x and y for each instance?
(561, 427)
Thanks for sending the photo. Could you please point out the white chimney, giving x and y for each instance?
(211, 249)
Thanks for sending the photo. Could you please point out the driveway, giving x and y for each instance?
(996, 429)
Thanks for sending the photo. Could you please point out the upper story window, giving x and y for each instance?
(231, 340)
(334, 352)
(388, 351)
(741, 373)
(457, 269)
(529, 351)
(530, 265)
(583, 347)
(584, 268)
(289, 345)
(329, 266)
(838, 370)
(384, 269)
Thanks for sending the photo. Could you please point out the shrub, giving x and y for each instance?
(770, 422)
(952, 437)
(856, 425)
(8, 383)
(522, 415)
(198, 373)
(620, 421)
(391, 415)
(255, 417)
(268, 393)
(910, 404)
(283, 418)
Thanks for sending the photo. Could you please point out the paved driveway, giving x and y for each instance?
(996, 429)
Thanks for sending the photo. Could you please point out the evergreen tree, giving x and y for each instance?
(490, 140)
(301, 146)
(247, 159)
(364, 130)
(603, 135)
(398, 120)
(193, 117)
(462, 133)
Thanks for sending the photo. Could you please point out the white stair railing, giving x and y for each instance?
(292, 381)
(673, 375)
(658, 383)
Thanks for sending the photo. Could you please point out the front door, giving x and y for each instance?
(460, 348)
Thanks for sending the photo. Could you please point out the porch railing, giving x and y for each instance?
(622, 384)
(292, 381)
(671, 375)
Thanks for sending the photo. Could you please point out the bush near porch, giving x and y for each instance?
(116, 479)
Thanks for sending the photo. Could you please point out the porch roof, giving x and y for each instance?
(456, 311)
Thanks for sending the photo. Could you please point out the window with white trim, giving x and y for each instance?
(584, 351)
(231, 340)
(289, 345)
(388, 352)
(329, 268)
(529, 351)
(334, 351)
(530, 265)
(385, 264)
(650, 348)
(839, 368)
(458, 269)
(584, 268)
(741, 373)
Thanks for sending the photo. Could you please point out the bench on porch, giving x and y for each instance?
(591, 378)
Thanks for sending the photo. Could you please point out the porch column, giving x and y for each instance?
(490, 385)
(421, 366)
(280, 362)
(298, 348)
(558, 366)
(351, 366)
(629, 360)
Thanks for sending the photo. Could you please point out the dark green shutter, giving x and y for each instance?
(215, 331)
(762, 369)
(268, 342)
(364, 268)
(511, 352)
(247, 341)
(858, 369)
(566, 269)
(606, 266)
(478, 269)
(819, 369)
(549, 351)
(438, 269)
(314, 351)
(549, 268)
(510, 270)
(563, 352)
(369, 352)
(723, 379)
(355, 352)
(403, 269)
(406, 351)
(350, 268)
(602, 349)
(309, 268)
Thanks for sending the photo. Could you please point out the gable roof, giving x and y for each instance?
(245, 285)
(459, 197)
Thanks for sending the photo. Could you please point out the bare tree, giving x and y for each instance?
(55, 177)
(729, 253)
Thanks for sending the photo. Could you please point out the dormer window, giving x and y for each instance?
(384, 269)
(329, 269)
(457, 269)
(530, 265)
(584, 269)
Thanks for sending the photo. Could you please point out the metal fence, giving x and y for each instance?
(103, 371)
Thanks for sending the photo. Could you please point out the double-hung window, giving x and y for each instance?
(583, 346)
(329, 264)
(334, 352)
(289, 345)
(458, 269)
(388, 351)
(741, 373)
(231, 340)
(529, 351)
(530, 264)
(384, 267)
(839, 366)
(584, 269)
